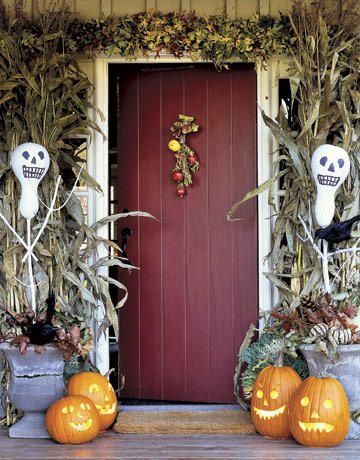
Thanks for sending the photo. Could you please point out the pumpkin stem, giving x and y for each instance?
(280, 360)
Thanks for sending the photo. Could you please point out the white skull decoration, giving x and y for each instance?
(330, 165)
(30, 163)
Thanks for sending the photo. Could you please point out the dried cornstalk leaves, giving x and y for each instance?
(325, 101)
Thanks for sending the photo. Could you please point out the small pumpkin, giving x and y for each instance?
(72, 420)
(96, 387)
(319, 413)
(273, 389)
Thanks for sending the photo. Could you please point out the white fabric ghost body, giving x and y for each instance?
(30, 162)
(330, 166)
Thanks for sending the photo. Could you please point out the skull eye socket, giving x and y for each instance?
(328, 404)
(259, 393)
(41, 155)
(274, 394)
(341, 163)
(305, 401)
(323, 161)
(26, 155)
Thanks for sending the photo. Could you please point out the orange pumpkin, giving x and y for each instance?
(319, 413)
(96, 387)
(72, 420)
(272, 392)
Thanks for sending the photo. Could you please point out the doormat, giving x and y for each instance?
(185, 422)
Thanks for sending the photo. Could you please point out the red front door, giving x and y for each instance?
(192, 300)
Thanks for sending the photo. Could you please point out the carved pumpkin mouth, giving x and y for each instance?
(105, 408)
(82, 426)
(266, 414)
(313, 426)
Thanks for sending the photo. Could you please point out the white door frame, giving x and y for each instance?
(267, 98)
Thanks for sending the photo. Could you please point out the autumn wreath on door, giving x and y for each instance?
(187, 163)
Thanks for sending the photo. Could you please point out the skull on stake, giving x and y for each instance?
(330, 165)
(30, 163)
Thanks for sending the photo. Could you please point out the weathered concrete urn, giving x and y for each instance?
(36, 381)
(346, 369)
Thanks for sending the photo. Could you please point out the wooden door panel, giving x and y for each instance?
(195, 294)
(173, 251)
(197, 249)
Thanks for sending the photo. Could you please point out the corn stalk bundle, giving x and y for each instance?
(45, 98)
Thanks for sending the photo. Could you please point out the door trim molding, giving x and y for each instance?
(267, 98)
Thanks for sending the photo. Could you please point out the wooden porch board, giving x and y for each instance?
(109, 445)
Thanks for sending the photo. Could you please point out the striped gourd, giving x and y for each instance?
(340, 335)
(319, 330)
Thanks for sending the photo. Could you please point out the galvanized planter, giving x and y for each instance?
(346, 370)
(36, 381)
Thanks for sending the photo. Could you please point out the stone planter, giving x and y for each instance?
(36, 381)
(346, 370)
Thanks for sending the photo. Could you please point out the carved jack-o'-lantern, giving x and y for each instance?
(273, 389)
(319, 413)
(96, 387)
(72, 420)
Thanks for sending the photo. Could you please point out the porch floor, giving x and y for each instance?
(110, 445)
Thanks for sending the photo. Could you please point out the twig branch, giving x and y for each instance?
(46, 220)
(310, 238)
(21, 240)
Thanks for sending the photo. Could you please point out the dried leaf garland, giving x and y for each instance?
(187, 162)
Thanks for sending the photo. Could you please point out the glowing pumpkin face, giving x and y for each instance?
(96, 387)
(72, 420)
(319, 413)
(273, 389)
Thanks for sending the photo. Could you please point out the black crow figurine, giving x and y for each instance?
(337, 232)
(41, 333)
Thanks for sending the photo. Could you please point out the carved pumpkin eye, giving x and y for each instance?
(328, 404)
(67, 410)
(93, 388)
(305, 401)
(274, 394)
(259, 393)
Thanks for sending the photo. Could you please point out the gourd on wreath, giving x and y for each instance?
(319, 413)
(72, 420)
(100, 391)
(272, 392)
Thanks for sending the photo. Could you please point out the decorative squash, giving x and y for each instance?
(96, 387)
(340, 335)
(273, 389)
(319, 330)
(319, 413)
(72, 420)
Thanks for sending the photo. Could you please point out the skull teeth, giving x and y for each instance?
(267, 414)
(313, 426)
(332, 181)
(31, 172)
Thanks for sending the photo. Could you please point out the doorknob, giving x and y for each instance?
(125, 233)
